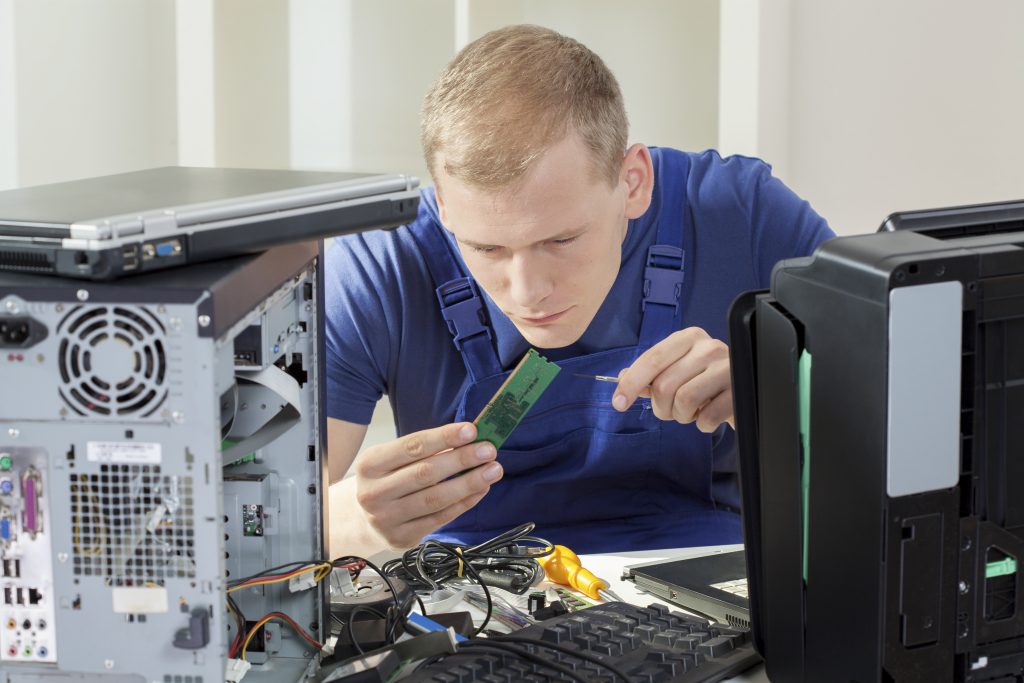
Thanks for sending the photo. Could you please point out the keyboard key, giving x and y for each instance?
(646, 632)
(716, 647)
(555, 634)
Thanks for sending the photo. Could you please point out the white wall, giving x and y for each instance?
(902, 105)
(93, 88)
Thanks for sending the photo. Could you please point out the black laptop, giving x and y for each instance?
(713, 585)
(105, 227)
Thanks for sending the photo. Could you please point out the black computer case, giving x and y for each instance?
(885, 530)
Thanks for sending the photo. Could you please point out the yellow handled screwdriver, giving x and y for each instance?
(563, 566)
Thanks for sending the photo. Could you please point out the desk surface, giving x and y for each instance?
(609, 567)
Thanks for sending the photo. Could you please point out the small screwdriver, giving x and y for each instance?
(563, 566)
(599, 378)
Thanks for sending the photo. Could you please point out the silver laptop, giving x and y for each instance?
(105, 227)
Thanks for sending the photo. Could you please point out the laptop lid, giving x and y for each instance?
(144, 220)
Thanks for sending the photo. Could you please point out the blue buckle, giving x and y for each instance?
(663, 276)
(462, 309)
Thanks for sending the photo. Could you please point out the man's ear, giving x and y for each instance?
(442, 208)
(637, 175)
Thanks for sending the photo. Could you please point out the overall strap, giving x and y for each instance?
(663, 272)
(462, 304)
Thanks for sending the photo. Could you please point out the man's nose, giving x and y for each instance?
(530, 282)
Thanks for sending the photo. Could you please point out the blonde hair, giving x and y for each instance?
(511, 94)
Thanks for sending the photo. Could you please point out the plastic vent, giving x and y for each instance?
(131, 525)
(26, 261)
(112, 361)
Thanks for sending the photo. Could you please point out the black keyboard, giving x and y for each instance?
(645, 644)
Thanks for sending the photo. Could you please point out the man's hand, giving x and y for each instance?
(686, 377)
(407, 488)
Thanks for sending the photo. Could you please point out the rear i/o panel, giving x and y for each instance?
(26, 575)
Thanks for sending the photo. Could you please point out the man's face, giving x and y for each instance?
(548, 251)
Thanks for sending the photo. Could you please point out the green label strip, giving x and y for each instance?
(804, 398)
(514, 398)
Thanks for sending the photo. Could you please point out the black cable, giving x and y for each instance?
(528, 656)
(394, 618)
(434, 563)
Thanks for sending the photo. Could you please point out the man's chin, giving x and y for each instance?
(544, 338)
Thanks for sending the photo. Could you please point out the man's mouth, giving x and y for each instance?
(545, 319)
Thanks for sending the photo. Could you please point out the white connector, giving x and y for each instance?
(302, 582)
(328, 648)
(236, 670)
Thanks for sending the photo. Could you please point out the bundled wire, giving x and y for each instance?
(503, 562)
(506, 561)
(273, 575)
(322, 570)
(283, 617)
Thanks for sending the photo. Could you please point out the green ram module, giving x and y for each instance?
(514, 398)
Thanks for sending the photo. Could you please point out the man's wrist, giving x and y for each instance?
(351, 531)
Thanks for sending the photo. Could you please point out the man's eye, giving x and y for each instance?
(567, 240)
(484, 250)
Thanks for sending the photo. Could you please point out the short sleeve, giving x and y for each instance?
(784, 225)
(356, 327)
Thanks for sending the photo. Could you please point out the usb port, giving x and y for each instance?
(8, 596)
(130, 257)
(12, 569)
(19, 596)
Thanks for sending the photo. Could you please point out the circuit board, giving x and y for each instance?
(514, 398)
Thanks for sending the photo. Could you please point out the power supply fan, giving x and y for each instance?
(112, 360)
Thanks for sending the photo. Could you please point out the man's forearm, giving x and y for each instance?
(351, 533)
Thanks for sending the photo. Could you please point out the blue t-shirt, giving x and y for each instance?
(384, 330)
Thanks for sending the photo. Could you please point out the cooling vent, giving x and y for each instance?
(27, 261)
(112, 361)
(132, 526)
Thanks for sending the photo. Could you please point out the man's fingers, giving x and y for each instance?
(412, 533)
(691, 397)
(716, 412)
(437, 498)
(396, 454)
(428, 472)
(653, 362)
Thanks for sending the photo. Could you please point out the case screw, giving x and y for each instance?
(62, 557)
(82, 295)
(13, 432)
(108, 663)
(204, 321)
(964, 587)
(311, 490)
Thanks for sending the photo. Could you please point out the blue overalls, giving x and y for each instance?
(592, 478)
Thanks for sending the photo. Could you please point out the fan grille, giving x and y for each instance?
(112, 361)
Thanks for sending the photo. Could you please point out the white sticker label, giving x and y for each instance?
(126, 452)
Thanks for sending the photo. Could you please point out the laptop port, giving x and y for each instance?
(169, 248)
(130, 257)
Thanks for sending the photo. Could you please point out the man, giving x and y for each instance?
(547, 230)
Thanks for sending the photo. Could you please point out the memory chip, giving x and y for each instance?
(514, 398)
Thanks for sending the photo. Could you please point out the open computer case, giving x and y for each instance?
(879, 401)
